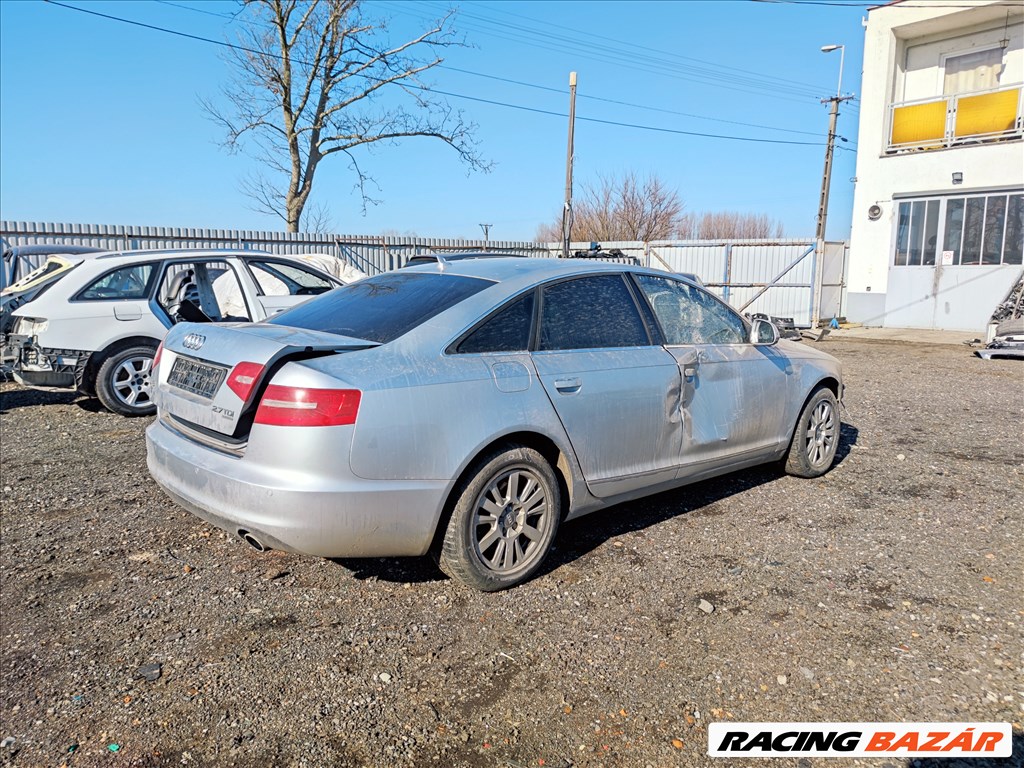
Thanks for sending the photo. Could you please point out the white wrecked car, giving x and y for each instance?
(97, 328)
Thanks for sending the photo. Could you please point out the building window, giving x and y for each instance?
(974, 71)
(961, 231)
(917, 233)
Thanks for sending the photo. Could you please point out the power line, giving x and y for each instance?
(634, 46)
(877, 4)
(717, 70)
(549, 89)
(630, 60)
(636, 126)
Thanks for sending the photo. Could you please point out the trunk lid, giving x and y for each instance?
(195, 383)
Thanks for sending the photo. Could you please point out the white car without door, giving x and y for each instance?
(97, 328)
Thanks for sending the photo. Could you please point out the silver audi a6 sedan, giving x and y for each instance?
(467, 409)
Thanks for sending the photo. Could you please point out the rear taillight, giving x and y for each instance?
(301, 407)
(156, 357)
(243, 379)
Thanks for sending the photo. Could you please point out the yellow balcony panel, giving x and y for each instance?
(987, 114)
(919, 123)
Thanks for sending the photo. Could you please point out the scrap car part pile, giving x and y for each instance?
(786, 325)
(1008, 320)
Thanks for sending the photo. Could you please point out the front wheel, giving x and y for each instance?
(123, 381)
(816, 436)
(504, 520)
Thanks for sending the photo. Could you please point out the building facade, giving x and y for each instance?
(938, 221)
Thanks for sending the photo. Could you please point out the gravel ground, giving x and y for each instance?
(888, 590)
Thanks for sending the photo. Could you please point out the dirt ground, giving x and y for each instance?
(134, 634)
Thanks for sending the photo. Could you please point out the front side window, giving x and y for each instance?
(506, 331)
(275, 278)
(591, 313)
(688, 315)
(121, 284)
(384, 307)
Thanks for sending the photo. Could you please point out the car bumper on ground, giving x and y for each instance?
(336, 516)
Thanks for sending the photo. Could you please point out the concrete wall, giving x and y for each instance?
(947, 298)
(899, 44)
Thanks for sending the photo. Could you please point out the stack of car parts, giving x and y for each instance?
(786, 325)
(1008, 324)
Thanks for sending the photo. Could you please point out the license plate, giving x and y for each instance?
(195, 377)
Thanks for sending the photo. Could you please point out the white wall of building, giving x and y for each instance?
(902, 54)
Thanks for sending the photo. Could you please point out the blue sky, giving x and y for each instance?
(101, 123)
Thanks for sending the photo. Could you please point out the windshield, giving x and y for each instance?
(53, 266)
(384, 307)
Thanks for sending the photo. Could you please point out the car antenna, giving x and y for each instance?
(442, 262)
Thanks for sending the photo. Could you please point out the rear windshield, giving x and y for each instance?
(50, 267)
(382, 308)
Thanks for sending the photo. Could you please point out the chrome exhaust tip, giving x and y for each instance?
(252, 541)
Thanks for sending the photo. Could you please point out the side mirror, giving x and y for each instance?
(763, 333)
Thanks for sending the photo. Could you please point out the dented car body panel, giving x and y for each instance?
(618, 420)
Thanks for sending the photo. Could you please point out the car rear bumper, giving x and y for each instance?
(336, 516)
(42, 367)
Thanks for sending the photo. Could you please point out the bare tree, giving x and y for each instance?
(621, 208)
(316, 78)
(316, 219)
(721, 225)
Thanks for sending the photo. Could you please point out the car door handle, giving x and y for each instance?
(568, 386)
(690, 368)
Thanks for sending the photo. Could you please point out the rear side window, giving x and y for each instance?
(382, 308)
(125, 283)
(591, 313)
(507, 331)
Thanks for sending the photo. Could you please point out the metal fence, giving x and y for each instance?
(784, 278)
(788, 278)
(370, 254)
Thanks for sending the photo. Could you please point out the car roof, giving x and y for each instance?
(460, 255)
(57, 249)
(164, 253)
(530, 270)
(518, 274)
(108, 259)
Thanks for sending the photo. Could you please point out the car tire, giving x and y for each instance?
(123, 384)
(508, 494)
(816, 436)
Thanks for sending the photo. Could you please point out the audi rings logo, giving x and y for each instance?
(194, 341)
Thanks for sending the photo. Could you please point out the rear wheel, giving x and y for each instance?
(816, 436)
(123, 381)
(504, 520)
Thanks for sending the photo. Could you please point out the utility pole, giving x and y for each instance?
(826, 183)
(487, 234)
(567, 210)
(826, 180)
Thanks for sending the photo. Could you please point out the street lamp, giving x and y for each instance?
(842, 55)
(826, 177)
